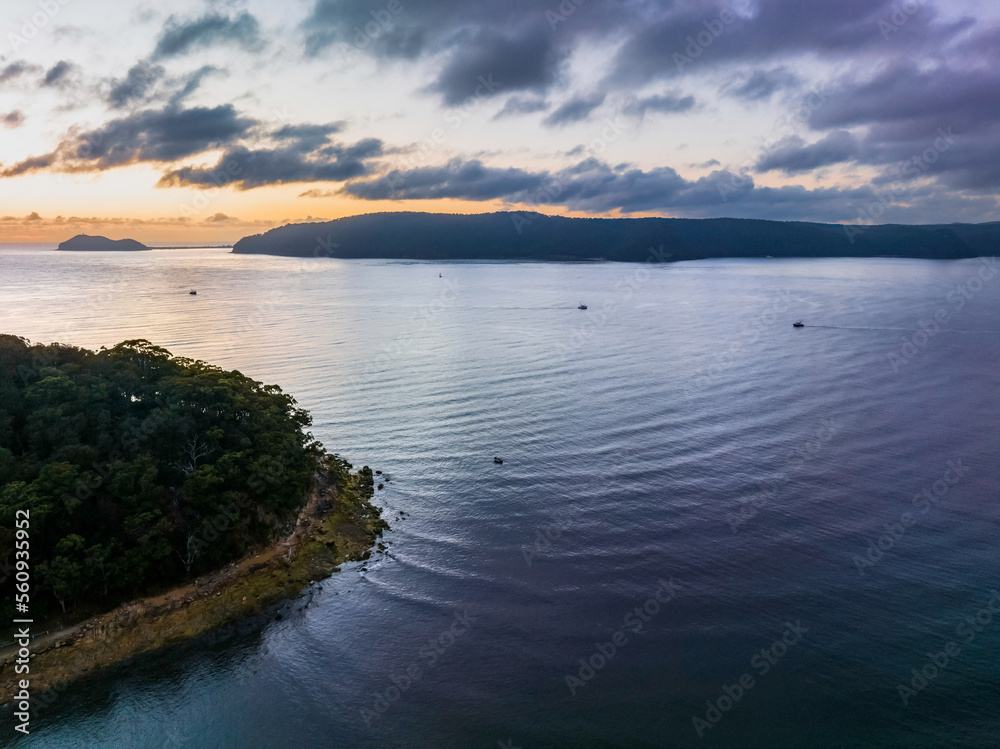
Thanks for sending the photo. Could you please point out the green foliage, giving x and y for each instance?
(140, 469)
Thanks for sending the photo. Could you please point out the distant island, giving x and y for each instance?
(535, 236)
(87, 243)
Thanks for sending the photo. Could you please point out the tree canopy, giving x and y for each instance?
(140, 469)
(534, 236)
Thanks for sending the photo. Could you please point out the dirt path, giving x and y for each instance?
(333, 527)
(198, 588)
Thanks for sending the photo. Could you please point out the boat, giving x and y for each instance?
(582, 306)
(798, 324)
(193, 292)
(498, 461)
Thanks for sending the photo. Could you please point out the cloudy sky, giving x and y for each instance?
(195, 120)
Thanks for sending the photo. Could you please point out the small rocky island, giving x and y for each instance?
(87, 243)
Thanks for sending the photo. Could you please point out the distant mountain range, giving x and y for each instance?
(87, 243)
(534, 236)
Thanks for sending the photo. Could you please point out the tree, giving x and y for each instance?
(126, 457)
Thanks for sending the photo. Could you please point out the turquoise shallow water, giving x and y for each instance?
(680, 430)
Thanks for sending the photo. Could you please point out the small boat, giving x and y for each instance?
(498, 461)
(798, 324)
(193, 292)
(440, 276)
(582, 306)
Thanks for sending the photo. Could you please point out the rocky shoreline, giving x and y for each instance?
(338, 524)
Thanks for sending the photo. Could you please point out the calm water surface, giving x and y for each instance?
(679, 430)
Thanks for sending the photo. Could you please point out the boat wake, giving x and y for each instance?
(905, 330)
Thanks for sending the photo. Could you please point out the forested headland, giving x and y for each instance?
(141, 470)
(535, 236)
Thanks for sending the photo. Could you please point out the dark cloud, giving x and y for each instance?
(193, 82)
(665, 103)
(493, 61)
(793, 156)
(161, 135)
(469, 180)
(179, 37)
(685, 35)
(382, 31)
(594, 186)
(137, 84)
(15, 70)
(517, 105)
(56, 75)
(761, 84)
(400, 29)
(220, 218)
(147, 83)
(904, 93)
(12, 120)
(943, 120)
(515, 41)
(299, 161)
(307, 137)
(574, 110)
(590, 185)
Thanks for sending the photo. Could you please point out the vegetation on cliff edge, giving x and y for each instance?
(139, 469)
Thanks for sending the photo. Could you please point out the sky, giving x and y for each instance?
(197, 121)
